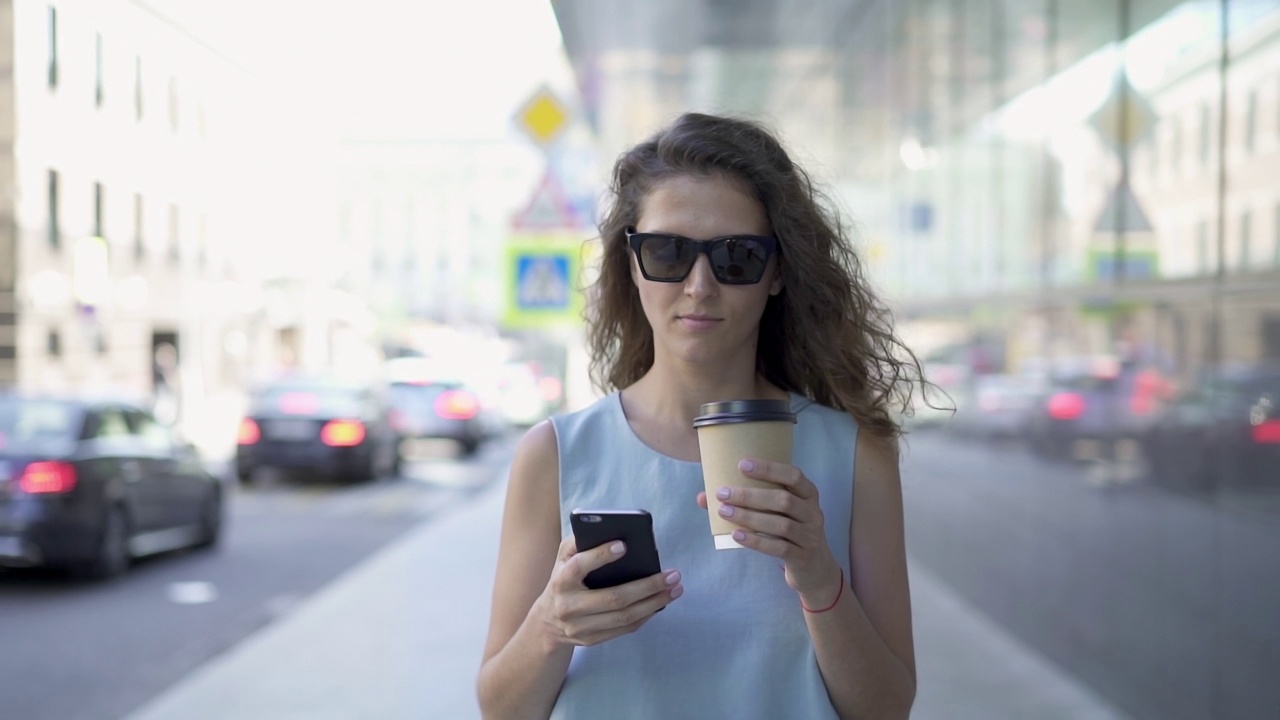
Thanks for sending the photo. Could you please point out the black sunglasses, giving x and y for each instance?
(735, 259)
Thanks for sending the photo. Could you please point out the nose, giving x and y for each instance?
(701, 282)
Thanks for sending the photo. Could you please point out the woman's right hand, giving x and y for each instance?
(574, 615)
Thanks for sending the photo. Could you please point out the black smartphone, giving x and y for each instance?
(593, 528)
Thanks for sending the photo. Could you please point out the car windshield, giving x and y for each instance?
(317, 400)
(414, 398)
(37, 426)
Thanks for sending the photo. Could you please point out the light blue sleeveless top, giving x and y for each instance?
(735, 645)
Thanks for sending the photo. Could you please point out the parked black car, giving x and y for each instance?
(1224, 431)
(329, 427)
(92, 484)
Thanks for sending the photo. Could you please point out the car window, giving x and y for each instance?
(37, 425)
(154, 436)
(107, 423)
(311, 400)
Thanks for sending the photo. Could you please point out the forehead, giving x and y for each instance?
(702, 207)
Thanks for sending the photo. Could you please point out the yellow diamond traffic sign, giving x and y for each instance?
(543, 117)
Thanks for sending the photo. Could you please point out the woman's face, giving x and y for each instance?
(699, 320)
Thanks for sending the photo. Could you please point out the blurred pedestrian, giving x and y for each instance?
(813, 618)
(166, 395)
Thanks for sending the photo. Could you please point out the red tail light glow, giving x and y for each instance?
(457, 405)
(249, 433)
(342, 433)
(1267, 432)
(1066, 406)
(48, 478)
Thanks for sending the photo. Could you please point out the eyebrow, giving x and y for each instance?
(710, 239)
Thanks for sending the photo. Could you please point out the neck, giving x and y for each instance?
(676, 390)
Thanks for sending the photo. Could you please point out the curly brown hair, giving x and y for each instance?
(826, 336)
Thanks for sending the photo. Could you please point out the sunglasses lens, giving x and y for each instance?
(667, 258)
(739, 260)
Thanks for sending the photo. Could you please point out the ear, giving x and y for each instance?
(776, 284)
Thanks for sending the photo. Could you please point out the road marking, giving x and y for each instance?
(192, 593)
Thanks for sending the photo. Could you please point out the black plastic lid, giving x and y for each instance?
(744, 411)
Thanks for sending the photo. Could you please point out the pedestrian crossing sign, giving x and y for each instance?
(543, 282)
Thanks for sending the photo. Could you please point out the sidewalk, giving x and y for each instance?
(400, 636)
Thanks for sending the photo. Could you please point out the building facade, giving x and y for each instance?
(133, 216)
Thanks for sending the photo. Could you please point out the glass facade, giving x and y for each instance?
(1075, 210)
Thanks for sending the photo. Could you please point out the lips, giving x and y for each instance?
(698, 322)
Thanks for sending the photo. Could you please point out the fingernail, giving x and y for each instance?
(723, 493)
(726, 510)
(677, 591)
(617, 548)
(673, 577)
(739, 535)
(746, 466)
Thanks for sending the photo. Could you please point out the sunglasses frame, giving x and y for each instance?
(700, 247)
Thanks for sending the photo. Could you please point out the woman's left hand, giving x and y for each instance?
(785, 522)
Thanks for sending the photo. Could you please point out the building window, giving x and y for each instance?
(97, 84)
(137, 87)
(174, 251)
(1206, 133)
(53, 47)
(173, 104)
(55, 229)
(98, 229)
(1202, 247)
(1251, 121)
(139, 245)
(1246, 232)
(53, 344)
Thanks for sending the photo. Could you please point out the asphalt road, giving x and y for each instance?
(1166, 603)
(72, 650)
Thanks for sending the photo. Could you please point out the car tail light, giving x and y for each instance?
(342, 433)
(457, 405)
(48, 478)
(1066, 406)
(249, 433)
(1267, 432)
(550, 388)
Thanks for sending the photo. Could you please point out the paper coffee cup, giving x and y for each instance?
(730, 431)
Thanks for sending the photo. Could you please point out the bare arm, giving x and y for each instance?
(541, 609)
(862, 636)
(864, 644)
(522, 672)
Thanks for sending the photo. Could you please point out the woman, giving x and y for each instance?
(670, 329)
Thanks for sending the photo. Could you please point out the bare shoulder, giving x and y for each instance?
(877, 459)
(537, 455)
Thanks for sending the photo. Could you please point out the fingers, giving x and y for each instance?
(788, 476)
(778, 501)
(624, 612)
(580, 564)
(587, 617)
(769, 523)
(775, 546)
(702, 500)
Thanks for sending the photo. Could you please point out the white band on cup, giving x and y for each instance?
(726, 542)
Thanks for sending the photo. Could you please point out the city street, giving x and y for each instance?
(87, 650)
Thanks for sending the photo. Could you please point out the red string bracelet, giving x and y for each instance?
(833, 603)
